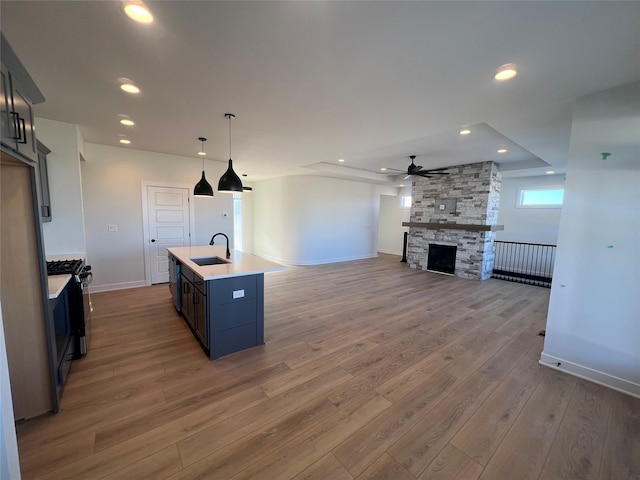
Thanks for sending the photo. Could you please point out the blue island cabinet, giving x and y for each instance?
(235, 313)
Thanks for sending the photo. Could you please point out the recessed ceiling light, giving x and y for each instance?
(127, 121)
(128, 85)
(502, 150)
(506, 72)
(130, 88)
(465, 131)
(125, 141)
(341, 160)
(137, 10)
(383, 169)
(202, 154)
(402, 184)
(550, 172)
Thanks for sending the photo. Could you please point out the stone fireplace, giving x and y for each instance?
(457, 210)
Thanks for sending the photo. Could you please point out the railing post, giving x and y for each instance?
(404, 248)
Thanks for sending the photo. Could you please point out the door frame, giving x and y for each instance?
(146, 244)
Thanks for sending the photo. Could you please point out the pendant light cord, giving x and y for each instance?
(229, 137)
(203, 153)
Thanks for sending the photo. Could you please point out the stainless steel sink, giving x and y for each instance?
(203, 261)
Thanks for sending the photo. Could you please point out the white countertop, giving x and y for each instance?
(57, 284)
(66, 256)
(240, 263)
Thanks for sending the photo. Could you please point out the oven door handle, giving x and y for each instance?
(86, 278)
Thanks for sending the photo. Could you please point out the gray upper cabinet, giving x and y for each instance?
(21, 114)
(43, 183)
(7, 135)
(17, 95)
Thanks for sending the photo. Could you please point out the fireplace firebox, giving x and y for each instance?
(442, 258)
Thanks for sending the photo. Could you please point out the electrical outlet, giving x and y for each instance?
(113, 228)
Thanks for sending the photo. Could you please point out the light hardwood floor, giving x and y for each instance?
(370, 370)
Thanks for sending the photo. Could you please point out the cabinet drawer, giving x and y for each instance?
(187, 273)
(224, 290)
(233, 340)
(190, 275)
(230, 315)
(199, 284)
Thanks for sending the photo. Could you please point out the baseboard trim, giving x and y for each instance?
(117, 286)
(391, 252)
(586, 373)
(335, 260)
(306, 263)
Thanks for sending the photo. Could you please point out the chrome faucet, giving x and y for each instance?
(213, 238)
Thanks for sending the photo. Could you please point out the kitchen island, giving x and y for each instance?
(222, 300)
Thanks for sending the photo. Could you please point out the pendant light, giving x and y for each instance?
(203, 188)
(230, 182)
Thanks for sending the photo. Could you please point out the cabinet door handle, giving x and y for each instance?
(15, 120)
(46, 211)
(185, 287)
(196, 298)
(24, 132)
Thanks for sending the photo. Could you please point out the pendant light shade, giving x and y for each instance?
(230, 182)
(203, 188)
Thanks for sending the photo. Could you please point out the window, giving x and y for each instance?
(541, 197)
(405, 201)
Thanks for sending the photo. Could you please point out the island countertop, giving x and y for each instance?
(240, 263)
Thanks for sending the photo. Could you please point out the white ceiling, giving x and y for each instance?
(312, 82)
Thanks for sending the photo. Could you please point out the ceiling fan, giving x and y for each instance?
(414, 169)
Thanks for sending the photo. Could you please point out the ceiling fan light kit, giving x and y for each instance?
(416, 170)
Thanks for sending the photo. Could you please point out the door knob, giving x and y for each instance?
(153, 240)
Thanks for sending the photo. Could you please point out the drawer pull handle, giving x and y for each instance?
(23, 135)
(15, 120)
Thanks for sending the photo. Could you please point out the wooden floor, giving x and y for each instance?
(371, 370)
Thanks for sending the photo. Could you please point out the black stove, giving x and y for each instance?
(60, 267)
(79, 301)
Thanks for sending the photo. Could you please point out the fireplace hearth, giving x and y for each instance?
(442, 258)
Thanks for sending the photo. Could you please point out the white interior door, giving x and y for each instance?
(168, 217)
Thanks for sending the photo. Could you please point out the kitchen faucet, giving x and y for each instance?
(220, 233)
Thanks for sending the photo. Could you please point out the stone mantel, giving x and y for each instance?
(455, 226)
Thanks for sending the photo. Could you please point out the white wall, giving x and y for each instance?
(593, 325)
(390, 229)
(111, 184)
(247, 221)
(65, 233)
(529, 225)
(308, 220)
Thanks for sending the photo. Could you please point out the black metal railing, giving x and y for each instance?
(530, 263)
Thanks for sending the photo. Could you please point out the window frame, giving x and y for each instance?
(522, 190)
